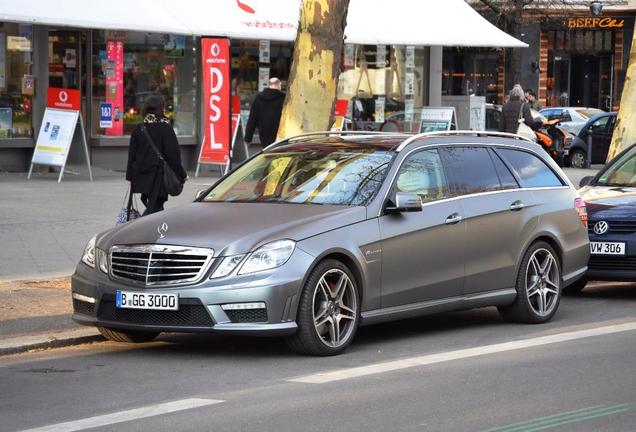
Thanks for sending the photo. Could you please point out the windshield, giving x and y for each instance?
(620, 173)
(317, 175)
(589, 113)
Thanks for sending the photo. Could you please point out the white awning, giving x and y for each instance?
(423, 22)
(399, 22)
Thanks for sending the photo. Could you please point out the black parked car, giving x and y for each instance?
(601, 127)
(611, 204)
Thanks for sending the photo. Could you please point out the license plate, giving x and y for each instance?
(136, 300)
(607, 248)
(566, 152)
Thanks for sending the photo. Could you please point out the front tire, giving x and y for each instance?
(578, 159)
(328, 311)
(538, 287)
(127, 336)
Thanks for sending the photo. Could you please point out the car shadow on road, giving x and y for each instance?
(610, 291)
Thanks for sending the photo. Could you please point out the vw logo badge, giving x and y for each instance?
(601, 227)
(162, 229)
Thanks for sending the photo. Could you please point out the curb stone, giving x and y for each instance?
(51, 340)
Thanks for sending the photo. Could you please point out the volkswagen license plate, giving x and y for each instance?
(607, 248)
(137, 300)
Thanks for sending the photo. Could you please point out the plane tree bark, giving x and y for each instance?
(313, 79)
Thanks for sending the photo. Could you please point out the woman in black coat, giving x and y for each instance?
(510, 112)
(144, 170)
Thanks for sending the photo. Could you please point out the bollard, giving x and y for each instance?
(588, 162)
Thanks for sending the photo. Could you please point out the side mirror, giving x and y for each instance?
(405, 202)
(585, 181)
(200, 193)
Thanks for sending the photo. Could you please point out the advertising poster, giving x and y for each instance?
(6, 122)
(408, 110)
(28, 85)
(174, 46)
(410, 56)
(70, 58)
(409, 83)
(380, 56)
(349, 50)
(105, 115)
(115, 84)
(215, 54)
(54, 139)
(438, 119)
(380, 104)
(263, 51)
(263, 78)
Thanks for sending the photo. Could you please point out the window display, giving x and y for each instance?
(16, 81)
(129, 67)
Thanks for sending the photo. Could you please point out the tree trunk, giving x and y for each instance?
(625, 130)
(313, 79)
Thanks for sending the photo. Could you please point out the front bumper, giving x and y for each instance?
(199, 304)
(613, 267)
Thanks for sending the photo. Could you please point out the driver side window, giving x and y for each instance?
(422, 173)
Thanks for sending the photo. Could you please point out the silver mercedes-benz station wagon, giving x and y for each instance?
(324, 232)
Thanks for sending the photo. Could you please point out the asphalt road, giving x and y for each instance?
(446, 372)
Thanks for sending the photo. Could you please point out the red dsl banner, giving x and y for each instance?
(62, 98)
(216, 96)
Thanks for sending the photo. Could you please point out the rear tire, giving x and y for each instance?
(538, 287)
(127, 336)
(578, 159)
(328, 311)
(576, 287)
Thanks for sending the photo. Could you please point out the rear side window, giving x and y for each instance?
(531, 170)
(506, 178)
(471, 170)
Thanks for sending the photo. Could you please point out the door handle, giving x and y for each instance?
(516, 206)
(453, 219)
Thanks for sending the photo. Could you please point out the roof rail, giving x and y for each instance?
(328, 133)
(462, 133)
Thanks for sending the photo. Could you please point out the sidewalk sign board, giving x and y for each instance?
(438, 119)
(238, 148)
(61, 116)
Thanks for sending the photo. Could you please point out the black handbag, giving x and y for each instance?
(173, 185)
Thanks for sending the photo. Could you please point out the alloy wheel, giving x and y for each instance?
(335, 308)
(542, 282)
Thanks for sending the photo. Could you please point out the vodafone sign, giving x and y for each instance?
(67, 99)
(217, 101)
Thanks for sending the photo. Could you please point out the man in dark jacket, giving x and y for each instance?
(265, 113)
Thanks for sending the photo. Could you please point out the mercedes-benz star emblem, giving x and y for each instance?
(162, 229)
(600, 227)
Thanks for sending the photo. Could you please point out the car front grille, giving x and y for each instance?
(247, 315)
(615, 227)
(158, 265)
(615, 263)
(191, 313)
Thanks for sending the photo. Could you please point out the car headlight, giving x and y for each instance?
(268, 257)
(227, 265)
(89, 253)
(102, 260)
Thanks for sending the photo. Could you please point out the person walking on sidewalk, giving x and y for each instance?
(144, 170)
(265, 113)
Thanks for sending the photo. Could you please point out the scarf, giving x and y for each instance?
(152, 118)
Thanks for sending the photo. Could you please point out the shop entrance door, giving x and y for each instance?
(584, 81)
(606, 82)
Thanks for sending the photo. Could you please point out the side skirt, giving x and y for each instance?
(491, 298)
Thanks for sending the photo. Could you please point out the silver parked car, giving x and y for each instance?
(325, 232)
(572, 118)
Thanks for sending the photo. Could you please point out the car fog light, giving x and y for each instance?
(83, 298)
(243, 306)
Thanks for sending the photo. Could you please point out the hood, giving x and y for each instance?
(232, 228)
(271, 94)
(612, 203)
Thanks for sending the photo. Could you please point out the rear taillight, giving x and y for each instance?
(581, 209)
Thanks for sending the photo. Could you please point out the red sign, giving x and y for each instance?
(115, 84)
(216, 94)
(342, 106)
(60, 98)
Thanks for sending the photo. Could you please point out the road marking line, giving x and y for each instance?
(377, 368)
(128, 415)
(542, 423)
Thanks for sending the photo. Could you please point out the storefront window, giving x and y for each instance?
(16, 81)
(128, 67)
(383, 86)
(470, 72)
